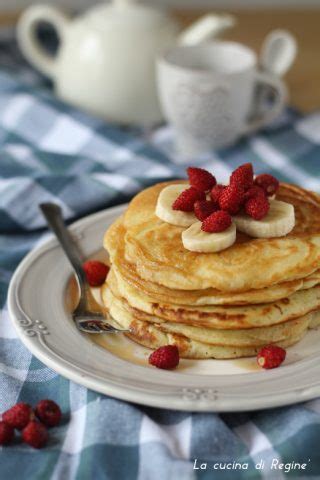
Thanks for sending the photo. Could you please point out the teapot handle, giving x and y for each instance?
(27, 39)
(206, 27)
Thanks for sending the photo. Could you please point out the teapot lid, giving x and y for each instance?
(124, 12)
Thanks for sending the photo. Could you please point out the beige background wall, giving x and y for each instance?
(17, 4)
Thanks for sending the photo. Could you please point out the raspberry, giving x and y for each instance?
(48, 412)
(231, 199)
(216, 192)
(268, 182)
(254, 191)
(18, 416)
(216, 222)
(166, 357)
(271, 356)
(200, 178)
(35, 434)
(242, 176)
(96, 272)
(6, 433)
(204, 208)
(257, 207)
(187, 199)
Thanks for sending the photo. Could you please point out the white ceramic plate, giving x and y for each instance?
(37, 303)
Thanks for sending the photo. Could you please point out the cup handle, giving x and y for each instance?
(265, 79)
(27, 39)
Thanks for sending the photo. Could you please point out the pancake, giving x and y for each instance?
(153, 336)
(156, 249)
(223, 317)
(254, 337)
(158, 293)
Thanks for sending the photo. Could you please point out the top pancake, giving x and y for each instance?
(156, 249)
(154, 292)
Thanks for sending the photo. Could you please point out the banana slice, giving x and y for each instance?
(164, 207)
(278, 222)
(197, 240)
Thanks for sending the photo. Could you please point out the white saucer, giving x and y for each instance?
(39, 313)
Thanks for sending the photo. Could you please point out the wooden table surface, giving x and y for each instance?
(304, 78)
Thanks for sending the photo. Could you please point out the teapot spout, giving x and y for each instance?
(208, 26)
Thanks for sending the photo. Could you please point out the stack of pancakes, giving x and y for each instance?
(214, 305)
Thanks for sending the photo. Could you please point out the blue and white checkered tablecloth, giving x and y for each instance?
(50, 151)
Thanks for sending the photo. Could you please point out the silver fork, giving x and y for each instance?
(85, 319)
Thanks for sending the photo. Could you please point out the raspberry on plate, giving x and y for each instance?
(18, 416)
(242, 177)
(35, 434)
(231, 199)
(6, 433)
(166, 357)
(268, 182)
(201, 179)
(187, 199)
(216, 192)
(204, 208)
(271, 356)
(257, 207)
(254, 191)
(48, 412)
(216, 222)
(96, 272)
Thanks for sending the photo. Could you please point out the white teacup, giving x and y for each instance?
(207, 92)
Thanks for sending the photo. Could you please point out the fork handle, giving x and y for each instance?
(53, 215)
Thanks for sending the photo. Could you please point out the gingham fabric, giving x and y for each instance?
(50, 151)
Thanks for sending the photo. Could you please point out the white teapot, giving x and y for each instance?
(105, 61)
